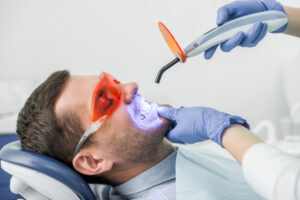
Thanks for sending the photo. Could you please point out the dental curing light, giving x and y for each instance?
(274, 20)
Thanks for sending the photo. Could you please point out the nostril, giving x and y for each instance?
(131, 96)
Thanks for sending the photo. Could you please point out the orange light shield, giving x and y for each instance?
(106, 97)
(173, 45)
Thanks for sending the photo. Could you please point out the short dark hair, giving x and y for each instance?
(40, 130)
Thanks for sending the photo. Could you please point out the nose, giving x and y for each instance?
(128, 90)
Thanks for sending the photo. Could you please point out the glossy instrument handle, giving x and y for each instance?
(274, 19)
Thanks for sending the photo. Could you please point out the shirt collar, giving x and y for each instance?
(160, 173)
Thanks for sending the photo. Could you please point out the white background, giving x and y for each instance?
(121, 37)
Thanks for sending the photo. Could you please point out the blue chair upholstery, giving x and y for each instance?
(13, 154)
(4, 176)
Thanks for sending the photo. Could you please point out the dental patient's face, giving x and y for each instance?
(133, 133)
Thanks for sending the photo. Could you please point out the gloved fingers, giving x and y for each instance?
(233, 42)
(252, 34)
(225, 14)
(260, 36)
(172, 137)
(210, 52)
(167, 112)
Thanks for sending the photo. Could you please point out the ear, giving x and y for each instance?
(90, 164)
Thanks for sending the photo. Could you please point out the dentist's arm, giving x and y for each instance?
(294, 21)
(271, 173)
(237, 140)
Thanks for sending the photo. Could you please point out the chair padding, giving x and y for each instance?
(13, 153)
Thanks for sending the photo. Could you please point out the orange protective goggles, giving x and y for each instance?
(106, 97)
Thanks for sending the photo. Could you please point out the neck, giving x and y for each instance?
(131, 170)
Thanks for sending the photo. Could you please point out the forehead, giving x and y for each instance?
(76, 95)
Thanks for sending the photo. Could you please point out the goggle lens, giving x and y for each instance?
(106, 97)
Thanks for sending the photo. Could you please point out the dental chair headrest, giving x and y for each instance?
(58, 173)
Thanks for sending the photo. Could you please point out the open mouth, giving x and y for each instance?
(143, 113)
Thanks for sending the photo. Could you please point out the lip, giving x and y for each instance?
(165, 105)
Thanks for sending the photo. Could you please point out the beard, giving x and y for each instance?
(139, 146)
(139, 136)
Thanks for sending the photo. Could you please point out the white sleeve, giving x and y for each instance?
(272, 173)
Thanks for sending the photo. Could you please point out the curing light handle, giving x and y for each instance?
(274, 20)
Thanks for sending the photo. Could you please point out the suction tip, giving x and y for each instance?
(164, 68)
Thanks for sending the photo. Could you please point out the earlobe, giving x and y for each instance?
(89, 165)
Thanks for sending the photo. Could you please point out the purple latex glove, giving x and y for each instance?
(255, 34)
(197, 124)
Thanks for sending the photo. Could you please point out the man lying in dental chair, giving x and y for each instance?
(110, 135)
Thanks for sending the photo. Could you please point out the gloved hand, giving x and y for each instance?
(197, 124)
(253, 35)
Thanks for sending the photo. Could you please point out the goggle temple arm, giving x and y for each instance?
(95, 127)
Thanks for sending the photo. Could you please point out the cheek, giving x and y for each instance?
(120, 117)
(117, 122)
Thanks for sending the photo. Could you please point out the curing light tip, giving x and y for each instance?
(164, 68)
